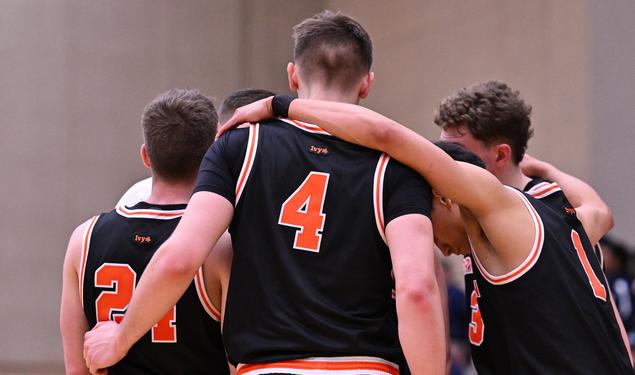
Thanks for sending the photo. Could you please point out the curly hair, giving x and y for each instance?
(492, 113)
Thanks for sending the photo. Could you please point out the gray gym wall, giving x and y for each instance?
(75, 76)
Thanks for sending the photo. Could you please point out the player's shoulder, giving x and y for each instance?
(78, 236)
(540, 188)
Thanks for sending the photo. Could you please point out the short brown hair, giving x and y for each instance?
(332, 47)
(492, 113)
(178, 127)
(238, 99)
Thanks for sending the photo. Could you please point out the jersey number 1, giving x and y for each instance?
(598, 289)
(112, 305)
(304, 210)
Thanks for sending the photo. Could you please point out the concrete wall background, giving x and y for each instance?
(74, 77)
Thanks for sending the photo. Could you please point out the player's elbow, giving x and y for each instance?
(422, 292)
(174, 263)
(607, 214)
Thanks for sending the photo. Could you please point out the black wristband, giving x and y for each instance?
(280, 105)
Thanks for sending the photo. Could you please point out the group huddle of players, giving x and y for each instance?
(307, 231)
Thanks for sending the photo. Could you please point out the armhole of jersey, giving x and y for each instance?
(378, 194)
(543, 189)
(531, 258)
(85, 247)
(248, 161)
(598, 251)
(206, 302)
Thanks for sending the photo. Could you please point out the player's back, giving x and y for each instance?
(115, 251)
(550, 315)
(311, 273)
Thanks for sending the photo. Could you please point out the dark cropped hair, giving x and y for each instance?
(492, 112)
(238, 99)
(332, 47)
(178, 127)
(459, 152)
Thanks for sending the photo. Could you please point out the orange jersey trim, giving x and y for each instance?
(339, 365)
(85, 245)
(203, 297)
(149, 214)
(311, 128)
(543, 189)
(532, 257)
(252, 147)
(378, 194)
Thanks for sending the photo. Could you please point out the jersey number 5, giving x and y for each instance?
(304, 210)
(598, 289)
(112, 304)
(477, 326)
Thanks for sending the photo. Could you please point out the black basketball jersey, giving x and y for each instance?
(116, 248)
(550, 315)
(311, 273)
(553, 197)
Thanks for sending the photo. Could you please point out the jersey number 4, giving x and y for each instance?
(112, 304)
(304, 210)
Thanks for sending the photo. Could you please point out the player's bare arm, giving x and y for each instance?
(216, 271)
(418, 297)
(73, 323)
(166, 277)
(592, 211)
(443, 287)
(493, 206)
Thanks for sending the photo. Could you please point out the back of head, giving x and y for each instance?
(493, 114)
(459, 152)
(238, 99)
(178, 127)
(332, 48)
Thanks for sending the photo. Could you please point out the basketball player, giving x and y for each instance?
(538, 298)
(108, 253)
(142, 189)
(493, 121)
(317, 225)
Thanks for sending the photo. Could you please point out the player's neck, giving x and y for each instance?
(170, 193)
(513, 177)
(316, 92)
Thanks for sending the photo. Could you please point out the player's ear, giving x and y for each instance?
(503, 154)
(145, 158)
(367, 82)
(292, 76)
(446, 202)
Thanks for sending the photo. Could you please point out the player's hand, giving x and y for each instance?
(254, 112)
(102, 347)
(532, 167)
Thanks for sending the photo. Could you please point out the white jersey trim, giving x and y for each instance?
(532, 257)
(378, 194)
(85, 248)
(144, 213)
(322, 366)
(248, 161)
(206, 302)
(307, 127)
(543, 189)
